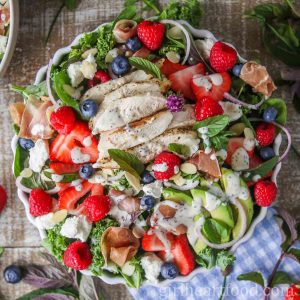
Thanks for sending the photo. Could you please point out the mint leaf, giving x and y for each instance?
(20, 160)
(216, 232)
(294, 254)
(220, 141)
(179, 149)
(37, 90)
(280, 105)
(253, 277)
(281, 278)
(214, 124)
(146, 65)
(127, 162)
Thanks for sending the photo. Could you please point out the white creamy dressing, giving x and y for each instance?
(45, 221)
(163, 167)
(79, 187)
(222, 153)
(152, 266)
(153, 189)
(236, 190)
(216, 79)
(203, 81)
(75, 74)
(38, 155)
(207, 144)
(76, 182)
(87, 141)
(193, 231)
(57, 177)
(212, 201)
(78, 157)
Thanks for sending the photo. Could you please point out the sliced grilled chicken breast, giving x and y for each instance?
(184, 118)
(134, 134)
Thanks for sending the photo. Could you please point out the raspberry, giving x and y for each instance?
(99, 77)
(97, 207)
(166, 165)
(3, 198)
(293, 292)
(63, 119)
(40, 203)
(207, 107)
(265, 134)
(78, 256)
(222, 57)
(265, 192)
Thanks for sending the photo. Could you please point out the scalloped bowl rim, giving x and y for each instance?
(40, 76)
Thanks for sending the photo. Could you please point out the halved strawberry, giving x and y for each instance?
(61, 168)
(183, 255)
(97, 190)
(169, 68)
(165, 256)
(151, 242)
(181, 80)
(68, 198)
(63, 186)
(214, 85)
(62, 146)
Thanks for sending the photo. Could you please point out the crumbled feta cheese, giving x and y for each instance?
(45, 221)
(89, 67)
(75, 74)
(240, 160)
(38, 155)
(153, 189)
(3, 42)
(151, 265)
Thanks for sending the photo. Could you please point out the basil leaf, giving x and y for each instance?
(35, 181)
(280, 105)
(253, 277)
(281, 278)
(216, 232)
(179, 149)
(214, 124)
(66, 177)
(68, 293)
(146, 65)
(220, 141)
(127, 162)
(20, 161)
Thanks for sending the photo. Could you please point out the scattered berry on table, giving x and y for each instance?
(151, 34)
(169, 270)
(3, 198)
(26, 144)
(97, 207)
(40, 203)
(86, 171)
(166, 165)
(265, 134)
(293, 292)
(88, 108)
(12, 274)
(147, 202)
(270, 114)
(99, 77)
(63, 119)
(222, 57)
(120, 65)
(78, 256)
(147, 177)
(175, 103)
(266, 153)
(134, 44)
(236, 70)
(265, 192)
(207, 107)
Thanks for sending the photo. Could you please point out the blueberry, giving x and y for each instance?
(86, 171)
(169, 270)
(147, 177)
(120, 65)
(26, 143)
(88, 108)
(147, 202)
(134, 44)
(236, 70)
(12, 274)
(266, 153)
(270, 114)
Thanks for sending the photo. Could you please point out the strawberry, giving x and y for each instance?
(97, 207)
(63, 119)
(222, 57)
(293, 292)
(61, 168)
(63, 186)
(151, 34)
(265, 134)
(181, 80)
(3, 198)
(151, 242)
(207, 107)
(68, 198)
(169, 68)
(99, 77)
(62, 146)
(40, 203)
(183, 255)
(265, 192)
(97, 190)
(166, 165)
(214, 85)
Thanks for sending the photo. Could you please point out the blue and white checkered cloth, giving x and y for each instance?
(260, 253)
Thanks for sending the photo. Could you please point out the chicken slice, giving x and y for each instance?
(184, 118)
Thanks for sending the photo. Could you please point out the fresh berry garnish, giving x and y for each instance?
(120, 65)
(183, 255)
(266, 153)
(63, 119)
(265, 134)
(169, 67)
(222, 57)
(169, 270)
(62, 168)
(78, 147)
(78, 256)
(265, 192)
(207, 107)
(151, 242)
(3, 198)
(97, 207)
(88, 108)
(99, 77)
(270, 114)
(181, 80)
(147, 177)
(214, 85)
(166, 165)
(134, 44)
(26, 144)
(147, 202)
(151, 34)
(97, 190)
(40, 203)
(293, 292)
(12, 274)
(175, 103)
(86, 171)
(236, 70)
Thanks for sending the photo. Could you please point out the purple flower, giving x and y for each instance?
(175, 103)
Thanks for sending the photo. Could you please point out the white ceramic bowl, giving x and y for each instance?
(41, 74)
(12, 36)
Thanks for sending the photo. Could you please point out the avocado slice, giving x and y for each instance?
(177, 196)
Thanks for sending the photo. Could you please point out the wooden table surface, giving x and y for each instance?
(224, 18)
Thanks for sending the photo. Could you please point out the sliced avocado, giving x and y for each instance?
(199, 246)
(177, 196)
